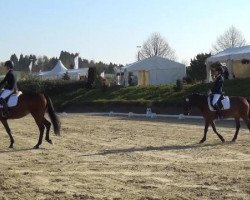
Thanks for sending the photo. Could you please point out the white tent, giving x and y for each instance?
(233, 58)
(76, 74)
(155, 70)
(59, 70)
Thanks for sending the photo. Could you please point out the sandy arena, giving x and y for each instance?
(125, 158)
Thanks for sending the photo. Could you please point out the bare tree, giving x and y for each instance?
(231, 38)
(156, 45)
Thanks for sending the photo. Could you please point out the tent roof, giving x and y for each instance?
(57, 70)
(79, 70)
(154, 62)
(237, 53)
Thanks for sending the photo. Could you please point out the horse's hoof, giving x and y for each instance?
(202, 141)
(11, 146)
(36, 147)
(233, 140)
(49, 141)
(223, 141)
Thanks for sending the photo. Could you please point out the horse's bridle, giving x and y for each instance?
(187, 106)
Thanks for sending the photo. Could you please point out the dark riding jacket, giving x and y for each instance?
(9, 81)
(218, 85)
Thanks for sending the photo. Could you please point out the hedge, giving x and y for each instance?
(50, 87)
(65, 93)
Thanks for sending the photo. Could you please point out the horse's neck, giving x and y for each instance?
(200, 102)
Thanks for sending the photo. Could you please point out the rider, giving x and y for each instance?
(10, 86)
(217, 90)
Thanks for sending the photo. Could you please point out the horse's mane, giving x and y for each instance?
(198, 94)
(197, 97)
(31, 94)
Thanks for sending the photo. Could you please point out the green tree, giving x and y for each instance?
(83, 62)
(93, 77)
(14, 59)
(231, 38)
(67, 58)
(156, 45)
(23, 63)
(197, 69)
(52, 62)
(44, 63)
(66, 76)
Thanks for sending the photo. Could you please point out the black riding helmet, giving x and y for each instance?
(9, 64)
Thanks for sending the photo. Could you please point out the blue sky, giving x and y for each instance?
(110, 30)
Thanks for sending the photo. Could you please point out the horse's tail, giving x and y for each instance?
(53, 116)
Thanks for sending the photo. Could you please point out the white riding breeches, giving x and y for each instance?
(6, 93)
(216, 98)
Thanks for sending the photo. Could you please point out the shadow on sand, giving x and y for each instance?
(19, 150)
(198, 122)
(151, 148)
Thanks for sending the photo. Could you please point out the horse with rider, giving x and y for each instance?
(15, 105)
(217, 106)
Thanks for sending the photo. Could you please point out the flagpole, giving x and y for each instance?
(30, 65)
(76, 60)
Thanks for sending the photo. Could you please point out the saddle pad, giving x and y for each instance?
(225, 102)
(13, 99)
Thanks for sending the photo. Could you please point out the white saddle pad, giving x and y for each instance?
(13, 99)
(225, 102)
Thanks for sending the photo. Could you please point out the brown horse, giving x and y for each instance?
(37, 105)
(240, 108)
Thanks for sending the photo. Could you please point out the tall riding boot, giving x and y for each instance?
(218, 111)
(5, 110)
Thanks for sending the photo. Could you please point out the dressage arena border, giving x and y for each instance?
(131, 114)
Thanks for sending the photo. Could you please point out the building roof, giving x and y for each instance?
(154, 62)
(237, 53)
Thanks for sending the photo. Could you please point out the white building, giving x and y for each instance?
(154, 71)
(236, 60)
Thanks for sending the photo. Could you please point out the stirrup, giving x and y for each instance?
(4, 112)
(4, 115)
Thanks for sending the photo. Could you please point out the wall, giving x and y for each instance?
(241, 70)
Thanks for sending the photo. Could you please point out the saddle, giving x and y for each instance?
(9, 102)
(223, 102)
(12, 100)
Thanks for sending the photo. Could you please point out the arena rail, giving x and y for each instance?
(131, 114)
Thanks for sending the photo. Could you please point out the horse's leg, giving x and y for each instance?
(247, 121)
(237, 121)
(214, 129)
(7, 128)
(47, 125)
(205, 132)
(41, 129)
(39, 122)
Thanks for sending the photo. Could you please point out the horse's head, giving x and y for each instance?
(191, 100)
